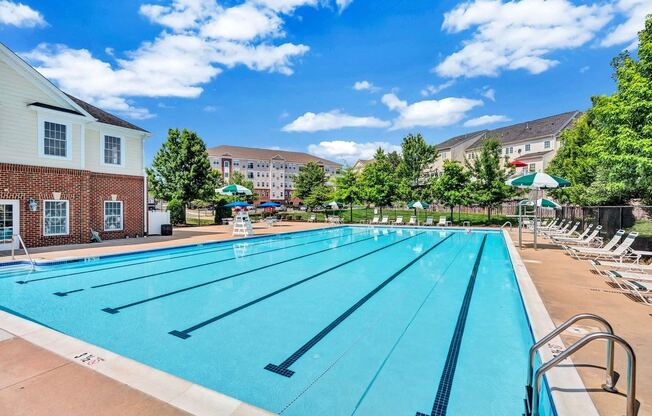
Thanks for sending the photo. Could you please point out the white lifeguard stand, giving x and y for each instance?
(242, 224)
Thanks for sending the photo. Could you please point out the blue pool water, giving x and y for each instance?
(341, 321)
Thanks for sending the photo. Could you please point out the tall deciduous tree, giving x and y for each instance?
(488, 187)
(181, 169)
(347, 189)
(608, 154)
(311, 185)
(378, 182)
(451, 188)
(416, 155)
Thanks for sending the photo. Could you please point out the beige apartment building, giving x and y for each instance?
(272, 172)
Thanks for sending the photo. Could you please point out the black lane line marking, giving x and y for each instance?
(196, 253)
(129, 305)
(440, 406)
(201, 265)
(283, 368)
(186, 332)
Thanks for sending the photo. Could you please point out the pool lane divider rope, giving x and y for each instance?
(167, 257)
(164, 295)
(184, 334)
(440, 405)
(283, 368)
(61, 294)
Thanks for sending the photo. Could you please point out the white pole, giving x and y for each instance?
(536, 198)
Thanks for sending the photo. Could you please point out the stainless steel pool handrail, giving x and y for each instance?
(506, 222)
(631, 369)
(17, 237)
(610, 380)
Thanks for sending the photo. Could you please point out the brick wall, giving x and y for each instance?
(86, 192)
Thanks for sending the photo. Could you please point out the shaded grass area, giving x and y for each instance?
(643, 227)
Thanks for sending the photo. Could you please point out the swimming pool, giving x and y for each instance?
(338, 321)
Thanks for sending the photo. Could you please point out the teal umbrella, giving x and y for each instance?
(541, 202)
(234, 190)
(418, 204)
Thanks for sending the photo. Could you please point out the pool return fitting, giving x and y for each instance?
(533, 386)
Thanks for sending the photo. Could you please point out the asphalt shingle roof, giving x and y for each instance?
(103, 116)
(454, 141)
(254, 153)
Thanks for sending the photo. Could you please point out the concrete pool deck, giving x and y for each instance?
(33, 380)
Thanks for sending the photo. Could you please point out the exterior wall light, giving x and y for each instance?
(31, 203)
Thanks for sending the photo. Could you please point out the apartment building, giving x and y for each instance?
(530, 145)
(272, 172)
(66, 167)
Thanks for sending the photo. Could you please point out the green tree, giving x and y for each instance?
(609, 151)
(347, 189)
(378, 181)
(451, 187)
(487, 186)
(181, 169)
(416, 155)
(311, 186)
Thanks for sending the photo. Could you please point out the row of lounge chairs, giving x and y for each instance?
(377, 220)
(614, 260)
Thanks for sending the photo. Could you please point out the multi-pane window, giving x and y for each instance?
(112, 150)
(55, 139)
(112, 215)
(533, 167)
(55, 217)
(527, 147)
(546, 144)
(6, 221)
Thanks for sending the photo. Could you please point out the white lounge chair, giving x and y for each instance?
(399, 220)
(639, 288)
(603, 267)
(583, 240)
(586, 231)
(413, 221)
(312, 218)
(557, 226)
(442, 222)
(385, 220)
(375, 220)
(621, 252)
(429, 221)
(609, 246)
(567, 231)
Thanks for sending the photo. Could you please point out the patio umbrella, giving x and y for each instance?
(418, 204)
(237, 204)
(542, 202)
(269, 204)
(234, 190)
(536, 181)
(333, 205)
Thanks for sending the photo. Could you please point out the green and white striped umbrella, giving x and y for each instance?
(538, 181)
(541, 202)
(333, 205)
(418, 204)
(234, 190)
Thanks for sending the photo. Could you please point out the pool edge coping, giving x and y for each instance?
(541, 323)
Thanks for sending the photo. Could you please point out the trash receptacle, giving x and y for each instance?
(166, 229)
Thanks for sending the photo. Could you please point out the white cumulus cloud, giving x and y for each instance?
(434, 89)
(518, 34)
(483, 120)
(201, 39)
(627, 32)
(429, 113)
(343, 4)
(348, 151)
(364, 85)
(332, 120)
(19, 15)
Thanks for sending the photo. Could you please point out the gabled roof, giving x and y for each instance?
(77, 106)
(254, 153)
(454, 141)
(104, 117)
(547, 126)
(533, 155)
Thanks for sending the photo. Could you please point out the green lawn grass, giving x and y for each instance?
(643, 227)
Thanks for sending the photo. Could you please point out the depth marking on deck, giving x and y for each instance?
(195, 253)
(440, 405)
(129, 305)
(202, 265)
(186, 332)
(283, 368)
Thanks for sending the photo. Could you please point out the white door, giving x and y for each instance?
(9, 223)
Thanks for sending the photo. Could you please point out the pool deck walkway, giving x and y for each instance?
(35, 382)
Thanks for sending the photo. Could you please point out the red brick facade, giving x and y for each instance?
(86, 192)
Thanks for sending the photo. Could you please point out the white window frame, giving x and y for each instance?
(122, 216)
(45, 233)
(42, 119)
(547, 144)
(532, 167)
(528, 147)
(103, 134)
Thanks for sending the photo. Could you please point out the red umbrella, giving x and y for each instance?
(518, 164)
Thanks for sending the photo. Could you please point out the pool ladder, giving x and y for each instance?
(533, 386)
(17, 237)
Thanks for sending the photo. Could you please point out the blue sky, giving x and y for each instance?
(337, 78)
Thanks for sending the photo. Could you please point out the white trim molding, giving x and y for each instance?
(42, 118)
(104, 132)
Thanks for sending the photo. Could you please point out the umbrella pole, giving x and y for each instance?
(520, 227)
(536, 198)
